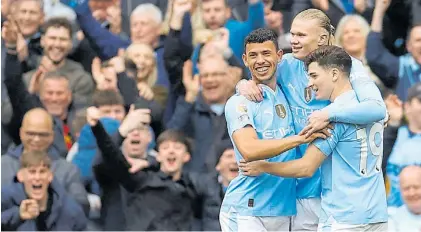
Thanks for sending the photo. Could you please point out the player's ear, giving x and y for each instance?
(280, 53)
(335, 74)
(323, 40)
(245, 60)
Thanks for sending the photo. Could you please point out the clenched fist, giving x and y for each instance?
(29, 209)
(93, 115)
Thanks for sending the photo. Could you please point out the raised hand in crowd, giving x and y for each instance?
(29, 209)
(145, 91)
(134, 119)
(395, 109)
(190, 82)
(14, 38)
(179, 8)
(104, 75)
(36, 80)
(118, 61)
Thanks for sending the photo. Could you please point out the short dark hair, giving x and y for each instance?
(107, 98)
(35, 158)
(58, 22)
(174, 136)
(330, 57)
(261, 35)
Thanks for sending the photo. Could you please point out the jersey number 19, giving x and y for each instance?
(370, 142)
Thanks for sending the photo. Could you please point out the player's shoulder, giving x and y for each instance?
(288, 59)
(237, 101)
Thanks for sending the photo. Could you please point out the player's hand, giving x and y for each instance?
(317, 121)
(134, 119)
(308, 139)
(28, 209)
(250, 90)
(253, 168)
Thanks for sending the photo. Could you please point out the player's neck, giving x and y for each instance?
(341, 88)
(414, 128)
(270, 83)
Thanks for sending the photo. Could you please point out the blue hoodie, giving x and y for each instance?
(65, 215)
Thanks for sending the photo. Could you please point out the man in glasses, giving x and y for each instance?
(36, 134)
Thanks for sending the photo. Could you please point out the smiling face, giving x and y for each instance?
(321, 81)
(172, 156)
(262, 60)
(227, 165)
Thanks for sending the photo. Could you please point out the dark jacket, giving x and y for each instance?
(112, 205)
(65, 215)
(154, 200)
(65, 173)
(200, 123)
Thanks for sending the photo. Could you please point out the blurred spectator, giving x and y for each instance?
(37, 135)
(226, 170)
(145, 72)
(351, 34)
(136, 149)
(408, 141)
(335, 10)
(78, 122)
(401, 72)
(217, 15)
(145, 27)
(408, 216)
(57, 43)
(108, 13)
(200, 114)
(274, 21)
(175, 14)
(38, 203)
(156, 200)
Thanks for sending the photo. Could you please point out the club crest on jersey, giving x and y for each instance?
(281, 111)
(307, 94)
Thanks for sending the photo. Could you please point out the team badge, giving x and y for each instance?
(307, 94)
(242, 108)
(280, 111)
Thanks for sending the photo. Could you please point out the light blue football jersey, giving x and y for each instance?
(353, 190)
(264, 195)
(293, 80)
(405, 152)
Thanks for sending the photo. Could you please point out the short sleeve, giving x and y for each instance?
(326, 146)
(238, 113)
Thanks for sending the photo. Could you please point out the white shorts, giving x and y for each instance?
(307, 218)
(232, 222)
(337, 227)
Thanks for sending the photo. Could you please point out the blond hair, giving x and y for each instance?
(153, 75)
(322, 19)
(365, 27)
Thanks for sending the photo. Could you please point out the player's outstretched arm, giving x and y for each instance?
(304, 167)
(252, 148)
